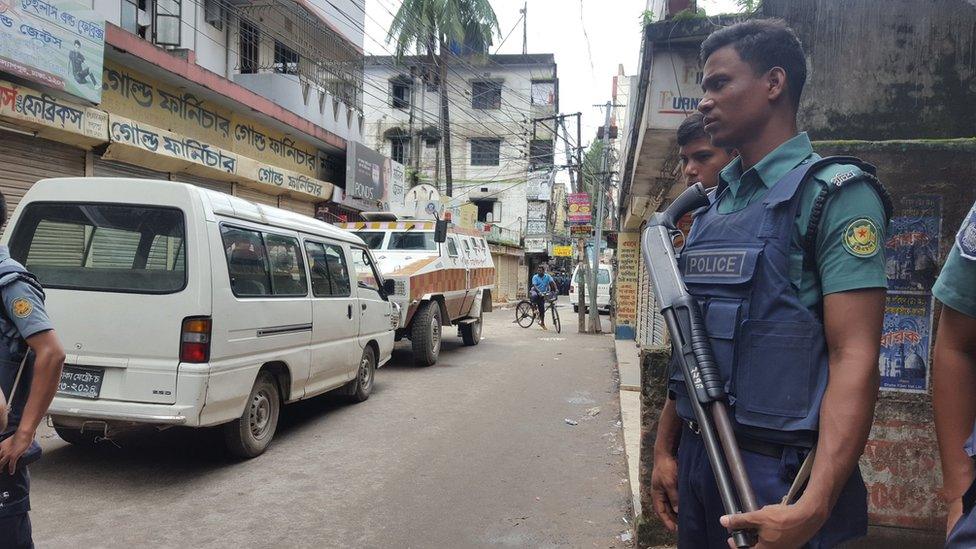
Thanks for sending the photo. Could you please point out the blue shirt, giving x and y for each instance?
(542, 283)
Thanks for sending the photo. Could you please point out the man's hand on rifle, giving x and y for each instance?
(780, 526)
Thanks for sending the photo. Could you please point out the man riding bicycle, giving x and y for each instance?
(542, 283)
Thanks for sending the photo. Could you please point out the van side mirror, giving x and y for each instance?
(440, 231)
(389, 286)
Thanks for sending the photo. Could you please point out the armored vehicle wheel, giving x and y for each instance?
(249, 435)
(471, 332)
(426, 334)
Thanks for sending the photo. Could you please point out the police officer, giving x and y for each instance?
(24, 326)
(954, 383)
(792, 289)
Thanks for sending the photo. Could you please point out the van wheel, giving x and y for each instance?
(426, 334)
(471, 332)
(77, 437)
(249, 435)
(360, 388)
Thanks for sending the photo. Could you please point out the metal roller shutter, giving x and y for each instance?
(293, 204)
(111, 168)
(25, 159)
(248, 193)
(212, 184)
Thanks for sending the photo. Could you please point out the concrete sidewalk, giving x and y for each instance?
(628, 365)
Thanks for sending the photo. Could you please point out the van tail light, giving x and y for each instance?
(195, 339)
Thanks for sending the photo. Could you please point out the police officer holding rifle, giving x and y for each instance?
(785, 263)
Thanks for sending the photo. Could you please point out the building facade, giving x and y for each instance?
(251, 99)
(502, 165)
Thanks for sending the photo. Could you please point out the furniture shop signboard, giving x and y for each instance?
(56, 43)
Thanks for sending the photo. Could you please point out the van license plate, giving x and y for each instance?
(81, 382)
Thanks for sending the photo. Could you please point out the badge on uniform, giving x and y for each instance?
(966, 237)
(861, 238)
(21, 308)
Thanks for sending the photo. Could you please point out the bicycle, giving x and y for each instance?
(525, 312)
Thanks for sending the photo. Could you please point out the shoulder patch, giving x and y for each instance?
(21, 308)
(966, 237)
(861, 238)
(841, 178)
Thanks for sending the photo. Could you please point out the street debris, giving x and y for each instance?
(571, 422)
(593, 412)
(626, 536)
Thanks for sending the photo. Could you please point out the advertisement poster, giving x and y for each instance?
(912, 248)
(628, 258)
(398, 185)
(579, 209)
(56, 43)
(562, 251)
(368, 175)
(905, 342)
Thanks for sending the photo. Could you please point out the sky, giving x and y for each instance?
(590, 39)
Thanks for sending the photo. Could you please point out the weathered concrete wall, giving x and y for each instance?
(886, 69)
(654, 376)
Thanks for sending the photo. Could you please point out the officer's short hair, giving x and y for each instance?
(764, 44)
(691, 129)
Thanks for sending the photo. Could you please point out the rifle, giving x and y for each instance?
(693, 352)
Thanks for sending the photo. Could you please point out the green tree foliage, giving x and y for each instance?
(592, 166)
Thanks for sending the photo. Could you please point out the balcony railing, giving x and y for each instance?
(500, 235)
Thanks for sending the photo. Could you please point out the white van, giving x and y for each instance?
(604, 279)
(183, 306)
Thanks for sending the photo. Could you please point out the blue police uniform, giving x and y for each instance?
(23, 316)
(956, 288)
(772, 353)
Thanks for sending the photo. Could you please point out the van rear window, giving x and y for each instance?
(103, 247)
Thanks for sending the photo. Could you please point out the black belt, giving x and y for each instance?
(761, 447)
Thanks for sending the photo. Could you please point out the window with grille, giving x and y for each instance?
(400, 93)
(213, 13)
(250, 38)
(399, 150)
(285, 59)
(486, 95)
(543, 93)
(540, 153)
(167, 28)
(130, 16)
(485, 152)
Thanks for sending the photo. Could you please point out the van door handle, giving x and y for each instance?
(364, 306)
(349, 312)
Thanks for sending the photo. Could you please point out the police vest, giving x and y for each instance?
(769, 347)
(13, 346)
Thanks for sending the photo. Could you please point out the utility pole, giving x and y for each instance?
(598, 192)
(525, 27)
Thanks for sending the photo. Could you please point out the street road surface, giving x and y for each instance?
(472, 452)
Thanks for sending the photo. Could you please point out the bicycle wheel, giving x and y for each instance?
(555, 318)
(524, 314)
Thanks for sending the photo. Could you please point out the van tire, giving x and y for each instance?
(360, 388)
(425, 335)
(249, 435)
(77, 437)
(471, 332)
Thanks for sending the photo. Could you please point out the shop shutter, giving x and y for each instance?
(25, 159)
(206, 183)
(248, 193)
(111, 168)
(295, 205)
